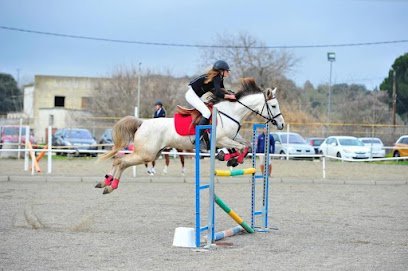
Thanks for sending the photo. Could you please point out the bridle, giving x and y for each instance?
(271, 118)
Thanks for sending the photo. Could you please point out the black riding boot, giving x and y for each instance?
(204, 139)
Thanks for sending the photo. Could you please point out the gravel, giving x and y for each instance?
(355, 219)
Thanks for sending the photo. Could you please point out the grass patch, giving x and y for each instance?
(394, 162)
(67, 158)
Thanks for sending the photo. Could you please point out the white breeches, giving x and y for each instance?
(197, 103)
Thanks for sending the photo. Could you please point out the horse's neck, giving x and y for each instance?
(237, 110)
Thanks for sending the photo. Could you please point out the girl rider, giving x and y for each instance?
(212, 81)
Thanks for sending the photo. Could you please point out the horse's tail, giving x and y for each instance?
(123, 133)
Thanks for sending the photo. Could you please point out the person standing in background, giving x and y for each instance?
(161, 113)
(260, 148)
(158, 113)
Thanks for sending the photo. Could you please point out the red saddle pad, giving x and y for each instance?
(183, 125)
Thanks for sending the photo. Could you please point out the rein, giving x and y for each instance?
(234, 120)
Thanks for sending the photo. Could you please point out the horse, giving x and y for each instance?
(151, 136)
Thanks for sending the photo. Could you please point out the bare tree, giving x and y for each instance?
(117, 97)
(363, 107)
(250, 57)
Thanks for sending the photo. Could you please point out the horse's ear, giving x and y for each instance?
(270, 93)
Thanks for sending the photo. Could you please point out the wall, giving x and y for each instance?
(39, 100)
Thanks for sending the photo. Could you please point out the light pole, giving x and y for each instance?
(331, 57)
(394, 97)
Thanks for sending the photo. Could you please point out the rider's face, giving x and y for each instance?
(225, 73)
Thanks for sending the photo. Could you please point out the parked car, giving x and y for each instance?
(292, 144)
(375, 145)
(106, 139)
(348, 147)
(315, 142)
(10, 134)
(401, 147)
(77, 139)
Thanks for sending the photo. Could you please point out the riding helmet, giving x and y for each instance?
(221, 65)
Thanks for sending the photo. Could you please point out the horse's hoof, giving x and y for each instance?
(107, 190)
(232, 162)
(220, 156)
(98, 185)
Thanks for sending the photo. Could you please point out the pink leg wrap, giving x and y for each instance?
(228, 156)
(115, 183)
(242, 155)
(108, 179)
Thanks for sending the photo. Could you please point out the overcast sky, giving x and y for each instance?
(276, 23)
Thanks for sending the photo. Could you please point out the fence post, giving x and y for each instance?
(26, 157)
(49, 158)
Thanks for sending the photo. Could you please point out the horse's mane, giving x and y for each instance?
(248, 87)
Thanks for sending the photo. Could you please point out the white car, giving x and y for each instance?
(293, 144)
(376, 146)
(348, 147)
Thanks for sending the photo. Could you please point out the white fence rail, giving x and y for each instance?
(50, 151)
(77, 150)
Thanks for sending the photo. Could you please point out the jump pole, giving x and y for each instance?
(211, 235)
(210, 185)
(233, 214)
(262, 210)
(234, 172)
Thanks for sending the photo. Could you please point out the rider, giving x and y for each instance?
(212, 81)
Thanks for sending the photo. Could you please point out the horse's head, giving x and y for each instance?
(272, 110)
(259, 101)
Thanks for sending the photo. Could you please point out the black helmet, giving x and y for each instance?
(158, 102)
(221, 65)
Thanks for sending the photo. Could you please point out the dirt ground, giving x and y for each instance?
(354, 219)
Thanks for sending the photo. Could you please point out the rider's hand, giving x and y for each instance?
(230, 97)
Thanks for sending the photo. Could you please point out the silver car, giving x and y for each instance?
(376, 146)
(292, 144)
(348, 147)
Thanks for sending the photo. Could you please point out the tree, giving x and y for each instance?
(10, 95)
(400, 67)
(355, 104)
(117, 97)
(248, 57)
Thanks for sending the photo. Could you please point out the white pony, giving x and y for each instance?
(151, 136)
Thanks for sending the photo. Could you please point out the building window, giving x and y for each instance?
(59, 101)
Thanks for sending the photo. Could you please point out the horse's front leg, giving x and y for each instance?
(241, 145)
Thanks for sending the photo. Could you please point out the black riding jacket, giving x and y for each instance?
(216, 86)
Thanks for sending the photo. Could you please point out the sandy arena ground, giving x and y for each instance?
(355, 219)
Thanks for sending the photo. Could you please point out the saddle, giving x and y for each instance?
(186, 119)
